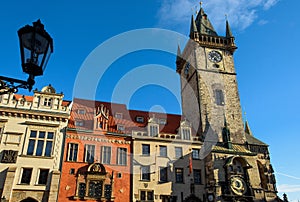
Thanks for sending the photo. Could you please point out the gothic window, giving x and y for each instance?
(163, 151)
(178, 152)
(163, 174)
(219, 97)
(95, 189)
(196, 153)
(122, 156)
(106, 154)
(89, 153)
(146, 149)
(26, 175)
(186, 133)
(47, 102)
(43, 176)
(72, 152)
(81, 190)
(40, 143)
(197, 176)
(179, 175)
(145, 171)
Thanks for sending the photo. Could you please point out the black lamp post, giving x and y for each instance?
(36, 46)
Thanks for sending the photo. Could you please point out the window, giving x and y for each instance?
(179, 175)
(40, 143)
(119, 115)
(119, 175)
(139, 119)
(106, 154)
(153, 130)
(81, 190)
(89, 153)
(120, 127)
(95, 189)
(72, 152)
(163, 151)
(26, 176)
(47, 102)
(72, 171)
(196, 153)
(219, 96)
(81, 111)
(186, 133)
(79, 123)
(197, 176)
(147, 195)
(122, 156)
(43, 176)
(163, 174)
(107, 191)
(146, 149)
(178, 152)
(163, 121)
(145, 170)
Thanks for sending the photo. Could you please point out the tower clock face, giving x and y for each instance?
(238, 185)
(214, 56)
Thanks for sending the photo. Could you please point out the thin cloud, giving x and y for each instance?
(288, 188)
(176, 14)
(290, 176)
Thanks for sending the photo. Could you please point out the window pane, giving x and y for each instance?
(196, 153)
(107, 191)
(48, 148)
(178, 152)
(26, 176)
(42, 134)
(179, 174)
(50, 135)
(163, 151)
(81, 191)
(197, 176)
(122, 156)
(33, 133)
(43, 176)
(30, 147)
(146, 149)
(39, 148)
(143, 195)
(163, 174)
(150, 195)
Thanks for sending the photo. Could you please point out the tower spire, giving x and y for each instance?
(228, 30)
(193, 29)
(203, 24)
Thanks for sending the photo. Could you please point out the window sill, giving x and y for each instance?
(145, 180)
(32, 156)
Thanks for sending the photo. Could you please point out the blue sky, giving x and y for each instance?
(267, 61)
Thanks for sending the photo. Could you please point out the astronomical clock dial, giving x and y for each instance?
(238, 185)
(214, 56)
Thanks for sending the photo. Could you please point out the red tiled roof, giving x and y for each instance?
(128, 119)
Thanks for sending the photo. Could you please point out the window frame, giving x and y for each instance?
(87, 150)
(163, 174)
(122, 156)
(163, 151)
(145, 173)
(23, 177)
(106, 154)
(179, 172)
(39, 176)
(40, 146)
(74, 155)
(144, 146)
(181, 152)
(197, 171)
(195, 154)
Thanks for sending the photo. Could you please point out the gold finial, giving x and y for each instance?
(201, 4)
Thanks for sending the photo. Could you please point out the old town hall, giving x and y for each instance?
(88, 150)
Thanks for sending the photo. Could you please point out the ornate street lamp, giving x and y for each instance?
(36, 46)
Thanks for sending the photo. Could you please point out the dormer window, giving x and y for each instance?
(153, 130)
(119, 115)
(139, 119)
(79, 123)
(162, 121)
(81, 111)
(120, 127)
(47, 102)
(186, 133)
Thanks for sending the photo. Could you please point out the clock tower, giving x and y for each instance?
(236, 164)
(208, 80)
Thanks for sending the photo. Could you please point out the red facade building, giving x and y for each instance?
(96, 163)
